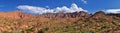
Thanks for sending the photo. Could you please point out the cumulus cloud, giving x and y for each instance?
(41, 10)
(113, 11)
(84, 1)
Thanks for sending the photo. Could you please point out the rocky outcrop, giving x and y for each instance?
(80, 14)
(14, 15)
(111, 14)
(98, 15)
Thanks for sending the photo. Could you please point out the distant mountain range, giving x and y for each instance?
(81, 14)
(77, 22)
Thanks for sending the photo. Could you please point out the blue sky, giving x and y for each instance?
(90, 5)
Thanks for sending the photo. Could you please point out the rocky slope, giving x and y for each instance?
(67, 15)
(14, 15)
(112, 14)
(77, 22)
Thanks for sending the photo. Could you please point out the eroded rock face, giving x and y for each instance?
(80, 14)
(14, 15)
(68, 15)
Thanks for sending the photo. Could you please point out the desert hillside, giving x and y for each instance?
(77, 22)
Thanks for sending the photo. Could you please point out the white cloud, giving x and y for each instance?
(84, 1)
(113, 11)
(41, 10)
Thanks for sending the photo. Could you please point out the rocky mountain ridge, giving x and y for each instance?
(82, 14)
(18, 22)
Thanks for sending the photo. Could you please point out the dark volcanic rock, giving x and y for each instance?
(111, 14)
(81, 14)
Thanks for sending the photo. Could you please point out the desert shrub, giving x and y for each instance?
(113, 22)
(30, 29)
(6, 32)
(118, 25)
(21, 31)
(84, 31)
(43, 30)
(102, 20)
(115, 18)
(87, 20)
(95, 31)
(104, 27)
